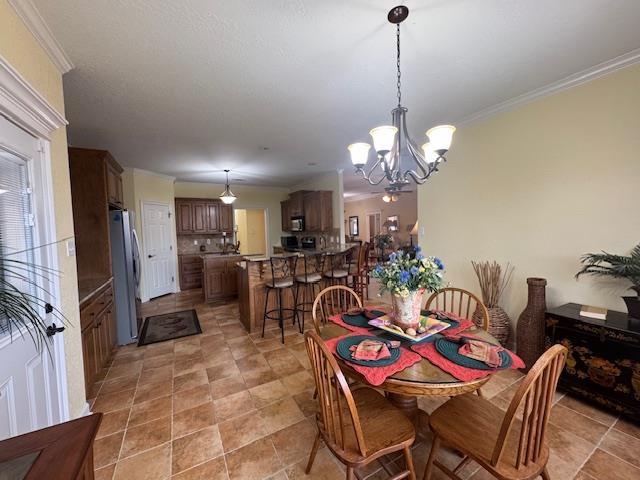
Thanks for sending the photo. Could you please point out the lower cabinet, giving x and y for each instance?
(98, 335)
(190, 271)
(220, 277)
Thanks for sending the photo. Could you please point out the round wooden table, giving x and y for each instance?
(420, 379)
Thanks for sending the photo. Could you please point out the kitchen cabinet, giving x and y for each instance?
(318, 211)
(296, 203)
(190, 267)
(203, 216)
(220, 277)
(98, 332)
(114, 182)
(285, 212)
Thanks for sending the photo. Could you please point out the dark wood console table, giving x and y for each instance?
(61, 452)
(603, 365)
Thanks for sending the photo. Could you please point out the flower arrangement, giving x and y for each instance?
(409, 272)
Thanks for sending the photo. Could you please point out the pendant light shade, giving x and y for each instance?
(429, 155)
(440, 137)
(227, 196)
(383, 138)
(359, 153)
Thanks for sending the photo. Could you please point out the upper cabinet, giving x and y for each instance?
(318, 211)
(285, 212)
(203, 216)
(114, 181)
(296, 204)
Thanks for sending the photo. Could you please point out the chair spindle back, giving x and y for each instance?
(459, 301)
(338, 415)
(536, 394)
(333, 301)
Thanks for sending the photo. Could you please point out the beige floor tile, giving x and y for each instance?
(155, 375)
(241, 430)
(622, 446)
(193, 419)
(190, 380)
(185, 399)
(223, 370)
(146, 436)
(195, 448)
(163, 360)
(324, 468)
(105, 473)
(267, 393)
(589, 410)
(154, 464)
(125, 370)
(113, 401)
(233, 405)
(298, 382)
(605, 466)
(227, 386)
(283, 362)
(113, 422)
(627, 427)
(107, 449)
(254, 461)
(151, 410)
(151, 391)
(119, 384)
(294, 443)
(578, 424)
(306, 403)
(568, 452)
(215, 469)
(280, 414)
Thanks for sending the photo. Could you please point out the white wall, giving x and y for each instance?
(539, 186)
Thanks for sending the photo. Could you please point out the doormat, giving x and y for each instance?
(169, 326)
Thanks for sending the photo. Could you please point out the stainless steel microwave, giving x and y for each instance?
(297, 224)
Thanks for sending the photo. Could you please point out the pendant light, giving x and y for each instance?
(227, 196)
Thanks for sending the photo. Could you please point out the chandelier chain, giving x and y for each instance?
(398, 62)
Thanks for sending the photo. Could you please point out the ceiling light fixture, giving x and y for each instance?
(227, 196)
(392, 143)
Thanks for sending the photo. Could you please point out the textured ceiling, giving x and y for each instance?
(265, 87)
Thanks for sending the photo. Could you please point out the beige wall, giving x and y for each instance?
(406, 208)
(23, 52)
(142, 186)
(251, 231)
(268, 198)
(539, 186)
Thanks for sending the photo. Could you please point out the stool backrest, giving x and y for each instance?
(283, 266)
(333, 301)
(313, 264)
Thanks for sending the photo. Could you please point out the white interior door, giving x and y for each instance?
(373, 224)
(30, 381)
(158, 249)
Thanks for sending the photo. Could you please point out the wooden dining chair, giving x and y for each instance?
(333, 301)
(461, 302)
(358, 426)
(360, 274)
(508, 447)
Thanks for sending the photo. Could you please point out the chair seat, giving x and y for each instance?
(383, 426)
(471, 424)
(310, 278)
(281, 283)
(336, 274)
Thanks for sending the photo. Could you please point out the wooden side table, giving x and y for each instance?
(61, 452)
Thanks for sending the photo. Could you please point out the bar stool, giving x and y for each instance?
(308, 281)
(283, 269)
(338, 271)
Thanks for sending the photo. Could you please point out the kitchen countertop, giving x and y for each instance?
(88, 287)
(330, 250)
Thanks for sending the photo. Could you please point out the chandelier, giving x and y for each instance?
(393, 145)
(227, 196)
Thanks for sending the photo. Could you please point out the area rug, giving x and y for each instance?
(169, 326)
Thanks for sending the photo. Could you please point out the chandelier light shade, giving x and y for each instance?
(400, 160)
(227, 196)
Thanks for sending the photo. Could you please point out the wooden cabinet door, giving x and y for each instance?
(226, 218)
(113, 179)
(200, 220)
(231, 279)
(119, 191)
(112, 330)
(296, 204)
(285, 212)
(184, 217)
(89, 356)
(213, 214)
(312, 212)
(213, 284)
(326, 210)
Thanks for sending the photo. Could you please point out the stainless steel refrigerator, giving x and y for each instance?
(125, 263)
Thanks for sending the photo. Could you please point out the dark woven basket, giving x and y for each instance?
(499, 323)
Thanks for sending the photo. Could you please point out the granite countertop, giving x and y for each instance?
(329, 250)
(88, 287)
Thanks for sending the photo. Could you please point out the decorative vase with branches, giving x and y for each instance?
(616, 266)
(493, 282)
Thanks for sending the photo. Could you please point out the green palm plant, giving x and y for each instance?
(23, 306)
(614, 266)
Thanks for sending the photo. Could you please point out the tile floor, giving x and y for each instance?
(227, 405)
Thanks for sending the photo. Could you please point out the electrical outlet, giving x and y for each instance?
(208, 241)
(195, 242)
(71, 248)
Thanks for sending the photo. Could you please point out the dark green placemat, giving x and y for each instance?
(360, 320)
(343, 346)
(449, 350)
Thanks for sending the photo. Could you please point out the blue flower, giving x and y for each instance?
(418, 249)
(404, 276)
(419, 256)
(378, 269)
(392, 257)
(414, 270)
(439, 263)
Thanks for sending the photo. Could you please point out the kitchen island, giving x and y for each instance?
(220, 276)
(254, 272)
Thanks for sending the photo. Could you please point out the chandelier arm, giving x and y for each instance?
(367, 176)
(416, 177)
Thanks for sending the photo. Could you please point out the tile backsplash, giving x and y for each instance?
(192, 243)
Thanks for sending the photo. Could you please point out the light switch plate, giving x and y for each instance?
(71, 247)
(208, 241)
(195, 242)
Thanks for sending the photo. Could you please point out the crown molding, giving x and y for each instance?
(599, 70)
(34, 22)
(140, 171)
(24, 106)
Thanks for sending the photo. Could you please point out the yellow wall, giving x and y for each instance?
(141, 186)
(539, 186)
(251, 231)
(268, 198)
(23, 52)
(406, 208)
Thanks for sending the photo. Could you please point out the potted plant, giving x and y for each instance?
(406, 277)
(382, 241)
(617, 266)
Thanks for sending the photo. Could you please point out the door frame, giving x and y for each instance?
(267, 239)
(366, 216)
(23, 106)
(144, 292)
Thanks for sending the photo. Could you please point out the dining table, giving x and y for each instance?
(422, 379)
